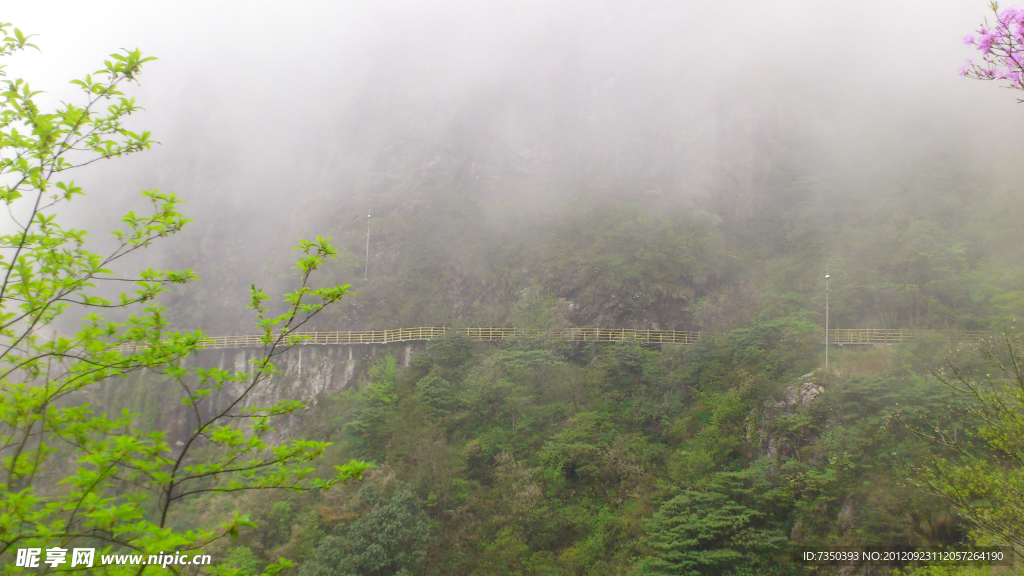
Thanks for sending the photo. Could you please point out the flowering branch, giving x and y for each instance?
(1002, 48)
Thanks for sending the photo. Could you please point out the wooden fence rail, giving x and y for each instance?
(837, 336)
(846, 336)
(478, 334)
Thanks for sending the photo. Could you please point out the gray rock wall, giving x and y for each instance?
(306, 373)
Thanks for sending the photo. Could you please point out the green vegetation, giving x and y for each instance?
(534, 458)
(983, 475)
(76, 475)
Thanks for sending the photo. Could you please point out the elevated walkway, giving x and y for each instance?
(838, 336)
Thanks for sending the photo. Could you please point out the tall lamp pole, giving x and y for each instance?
(826, 319)
(366, 270)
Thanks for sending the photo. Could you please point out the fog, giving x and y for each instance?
(279, 121)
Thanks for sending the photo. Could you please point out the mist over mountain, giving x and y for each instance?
(785, 137)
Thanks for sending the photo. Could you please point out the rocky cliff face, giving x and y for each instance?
(779, 426)
(306, 374)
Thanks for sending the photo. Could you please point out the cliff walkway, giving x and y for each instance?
(838, 336)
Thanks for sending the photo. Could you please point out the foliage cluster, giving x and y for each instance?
(622, 459)
(73, 475)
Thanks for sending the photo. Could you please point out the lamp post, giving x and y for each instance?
(366, 269)
(826, 319)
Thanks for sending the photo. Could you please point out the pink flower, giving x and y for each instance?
(1012, 15)
(985, 41)
(969, 39)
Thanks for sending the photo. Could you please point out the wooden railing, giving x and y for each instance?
(837, 336)
(478, 334)
(846, 336)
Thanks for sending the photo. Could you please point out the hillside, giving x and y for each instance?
(546, 459)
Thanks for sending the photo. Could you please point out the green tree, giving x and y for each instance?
(438, 394)
(381, 388)
(70, 475)
(980, 470)
(708, 532)
(389, 538)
